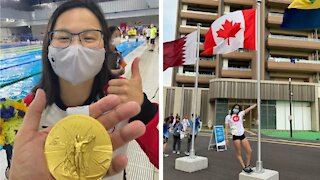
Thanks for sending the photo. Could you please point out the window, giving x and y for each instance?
(203, 9)
(239, 64)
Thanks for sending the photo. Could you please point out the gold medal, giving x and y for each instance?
(78, 147)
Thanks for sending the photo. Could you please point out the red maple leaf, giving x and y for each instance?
(228, 30)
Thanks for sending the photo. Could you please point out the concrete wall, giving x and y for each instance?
(315, 109)
(5, 33)
(14, 14)
(176, 107)
(38, 31)
(145, 20)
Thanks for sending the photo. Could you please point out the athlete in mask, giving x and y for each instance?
(115, 60)
(235, 121)
(76, 78)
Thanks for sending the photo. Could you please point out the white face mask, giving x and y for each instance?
(235, 111)
(76, 63)
(116, 41)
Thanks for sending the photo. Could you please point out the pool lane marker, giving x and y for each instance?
(24, 55)
(16, 81)
(19, 64)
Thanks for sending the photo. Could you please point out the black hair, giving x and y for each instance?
(231, 112)
(112, 29)
(49, 81)
(167, 119)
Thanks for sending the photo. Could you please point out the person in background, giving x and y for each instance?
(153, 35)
(235, 121)
(177, 128)
(185, 123)
(147, 32)
(115, 61)
(191, 132)
(171, 118)
(134, 30)
(166, 127)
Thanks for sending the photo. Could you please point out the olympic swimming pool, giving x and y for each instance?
(20, 67)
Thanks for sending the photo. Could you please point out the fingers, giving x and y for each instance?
(118, 89)
(43, 134)
(135, 72)
(32, 118)
(118, 82)
(46, 130)
(128, 133)
(121, 112)
(118, 164)
(103, 105)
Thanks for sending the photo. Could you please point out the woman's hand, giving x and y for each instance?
(29, 160)
(128, 89)
(250, 108)
(115, 114)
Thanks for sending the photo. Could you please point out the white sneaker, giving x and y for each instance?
(165, 155)
(187, 153)
(178, 152)
(173, 151)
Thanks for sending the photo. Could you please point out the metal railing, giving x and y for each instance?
(293, 38)
(293, 60)
(206, 59)
(237, 69)
(193, 74)
(275, 14)
(242, 50)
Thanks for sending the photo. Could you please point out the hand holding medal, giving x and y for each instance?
(29, 160)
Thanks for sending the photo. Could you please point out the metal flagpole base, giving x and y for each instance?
(191, 164)
(259, 167)
(259, 173)
(192, 153)
(267, 174)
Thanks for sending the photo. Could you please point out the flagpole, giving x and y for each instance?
(182, 101)
(259, 167)
(195, 98)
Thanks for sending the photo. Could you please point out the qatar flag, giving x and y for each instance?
(231, 32)
(180, 52)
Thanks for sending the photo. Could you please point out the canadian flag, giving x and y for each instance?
(231, 32)
(180, 52)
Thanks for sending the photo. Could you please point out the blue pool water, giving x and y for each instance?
(11, 46)
(20, 57)
(126, 47)
(20, 72)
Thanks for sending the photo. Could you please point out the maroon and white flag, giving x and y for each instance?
(231, 32)
(180, 52)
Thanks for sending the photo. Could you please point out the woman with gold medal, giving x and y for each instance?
(76, 80)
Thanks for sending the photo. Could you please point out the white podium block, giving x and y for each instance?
(267, 174)
(188, 164)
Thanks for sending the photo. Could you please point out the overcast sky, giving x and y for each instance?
(169, 30)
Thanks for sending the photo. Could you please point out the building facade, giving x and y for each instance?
(230, 78)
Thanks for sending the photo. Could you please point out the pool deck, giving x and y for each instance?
(139, 166)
